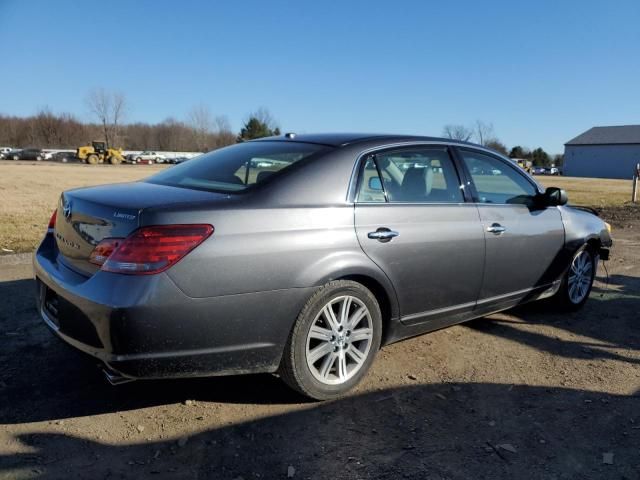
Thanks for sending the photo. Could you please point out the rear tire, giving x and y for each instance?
(333, 342)
(16, 157)
(578, 280)
(92, 159)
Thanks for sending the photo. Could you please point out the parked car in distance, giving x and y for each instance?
(539, 170)
(308, 266)
(64, 157)
(147, 156)
(554, 171)
(4, 151)
(177, 160)
(26, 154)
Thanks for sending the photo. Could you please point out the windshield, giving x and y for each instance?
(236, 168)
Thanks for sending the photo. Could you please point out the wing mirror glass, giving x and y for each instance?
(375, 184)
(555, 196)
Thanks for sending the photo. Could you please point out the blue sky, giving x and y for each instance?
(541, 72)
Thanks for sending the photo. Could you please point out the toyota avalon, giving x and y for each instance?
(302, 255)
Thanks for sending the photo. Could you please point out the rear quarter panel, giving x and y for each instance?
(255, 250)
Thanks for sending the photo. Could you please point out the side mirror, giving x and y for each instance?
(375, 184)
(555, 196)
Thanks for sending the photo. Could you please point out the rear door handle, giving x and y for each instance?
(496, 229)
(383, 234)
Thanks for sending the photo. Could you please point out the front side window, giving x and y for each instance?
(236, 168)
(496, 182)
(420, 175)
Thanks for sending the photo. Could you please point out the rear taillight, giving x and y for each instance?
(52, 220)
(104, 249)
(150, 249)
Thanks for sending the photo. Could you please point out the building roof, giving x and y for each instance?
(624, 134)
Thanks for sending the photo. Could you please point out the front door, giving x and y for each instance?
(522, 238)
(412, 221)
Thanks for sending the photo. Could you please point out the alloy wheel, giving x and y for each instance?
(580, 276)
(339, 340)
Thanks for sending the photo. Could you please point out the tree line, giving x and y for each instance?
(65, 131)
(483, 133)
(200, 131)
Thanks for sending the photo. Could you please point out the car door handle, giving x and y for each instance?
(496, 229)
(382, 234)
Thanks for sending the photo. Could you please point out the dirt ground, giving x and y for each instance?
(526, 394)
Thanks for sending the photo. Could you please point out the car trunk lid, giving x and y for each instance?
(89, 215)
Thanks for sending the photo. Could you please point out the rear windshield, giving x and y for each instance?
(236, 168)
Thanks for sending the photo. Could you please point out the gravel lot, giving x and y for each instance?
(526, 394)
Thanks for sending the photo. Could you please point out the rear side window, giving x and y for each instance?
(236, 168)
(497, 182)
(421, 175)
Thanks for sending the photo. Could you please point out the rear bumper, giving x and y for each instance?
(146, 327)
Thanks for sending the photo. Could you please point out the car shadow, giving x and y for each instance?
(608, 321)
(457, 431)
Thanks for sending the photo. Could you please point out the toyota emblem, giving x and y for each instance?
(66, 210)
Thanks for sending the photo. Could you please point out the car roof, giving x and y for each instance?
(343, 139)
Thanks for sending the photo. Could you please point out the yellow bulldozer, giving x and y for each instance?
(98, 152)
(526, 165)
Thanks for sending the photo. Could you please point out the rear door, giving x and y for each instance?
(411, 219)
(522, 238)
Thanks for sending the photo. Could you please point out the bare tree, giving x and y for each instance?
(46, 128)
(457, 132)
(484, 132)
(201, 121)
(109, 108)
(223, 133)
(118, 112)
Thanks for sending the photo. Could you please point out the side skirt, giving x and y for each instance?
(418, 324)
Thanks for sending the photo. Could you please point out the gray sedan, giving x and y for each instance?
(303, 255)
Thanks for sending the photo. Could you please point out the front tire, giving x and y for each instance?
(578, 281)
(333, 342)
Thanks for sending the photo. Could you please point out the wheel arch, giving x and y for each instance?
(595, 243)
(386, 300)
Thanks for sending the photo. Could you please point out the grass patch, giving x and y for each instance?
(591, 192)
